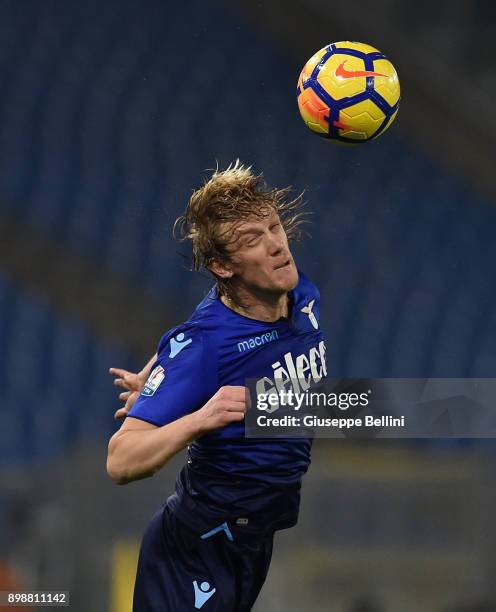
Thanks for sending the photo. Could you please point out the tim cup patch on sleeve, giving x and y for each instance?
(154, 381)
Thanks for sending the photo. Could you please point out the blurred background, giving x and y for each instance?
(110, 114)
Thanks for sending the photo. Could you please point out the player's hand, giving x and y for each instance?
(132, 383)
(227, 406)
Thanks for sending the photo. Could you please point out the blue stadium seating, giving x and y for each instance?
(55, 390)
(109, 115)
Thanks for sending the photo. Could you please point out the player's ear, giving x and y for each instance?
(220, 268)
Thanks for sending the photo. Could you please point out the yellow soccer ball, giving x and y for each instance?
(348, 92)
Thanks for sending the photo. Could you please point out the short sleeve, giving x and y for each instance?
(179, 381)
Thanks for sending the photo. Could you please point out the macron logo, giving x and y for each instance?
(203, 593)
(177, 344)
(246, 345)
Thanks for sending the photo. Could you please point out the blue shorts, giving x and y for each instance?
(180, 570)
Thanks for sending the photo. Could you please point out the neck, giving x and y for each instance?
(267, 308)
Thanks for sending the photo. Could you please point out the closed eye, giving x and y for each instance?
(252, 241)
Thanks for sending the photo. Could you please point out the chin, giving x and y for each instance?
(288, 279)
(295, 279)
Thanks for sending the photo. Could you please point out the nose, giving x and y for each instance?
(276, 244)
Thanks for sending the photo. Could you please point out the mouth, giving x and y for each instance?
(284, 265)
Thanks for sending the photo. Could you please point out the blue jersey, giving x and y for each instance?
(228, 475)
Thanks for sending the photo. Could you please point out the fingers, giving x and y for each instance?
(236, 389)
(120, 382)
(233, 398)
(236, 406)
(119, 372)
(126, 380)
(233, 393)
(130, 400)
(232, 416)
(121, 413)
(123, 377)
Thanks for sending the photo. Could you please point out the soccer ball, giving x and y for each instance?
(348, 92)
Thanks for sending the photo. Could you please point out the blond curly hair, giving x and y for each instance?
(225, 200)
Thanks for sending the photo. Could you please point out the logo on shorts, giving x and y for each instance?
(154, 381)
(177, 344)
(202, 593)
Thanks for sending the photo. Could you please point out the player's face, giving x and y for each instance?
(260, 258)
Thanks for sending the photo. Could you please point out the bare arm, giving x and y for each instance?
(139, 449)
